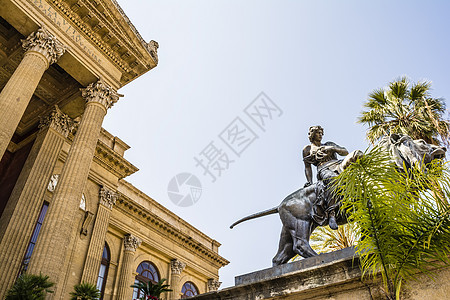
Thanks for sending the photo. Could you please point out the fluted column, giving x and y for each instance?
(51, 247)
(213, 285)
(42, 49)
(22, 210)
(124, 291)
(94, 256)
(176, 267)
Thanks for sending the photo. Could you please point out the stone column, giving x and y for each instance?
(94, 256)
(213, 285)
(176, 267)
(124, 291)
(51, 247)
(42, 49)
(21, 213)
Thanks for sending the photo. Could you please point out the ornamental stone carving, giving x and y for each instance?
(213, 285)
(44, 42)
(131, 242)
(153, 46)
(100, 92)
(59, 121)
(176, 266)
(107, 197)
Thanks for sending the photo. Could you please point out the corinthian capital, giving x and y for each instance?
(45, 43)
(107, 197)
(131, 242)
(213, 285)
(100, 92)
(58, 121)
(176, 266)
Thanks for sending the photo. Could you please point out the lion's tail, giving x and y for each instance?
(257, 215)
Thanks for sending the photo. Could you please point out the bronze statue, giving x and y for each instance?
(299, 212)
(324, 157)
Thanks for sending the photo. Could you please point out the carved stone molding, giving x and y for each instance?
(58, 121)
(131, 242)
(100, 92)
(213, 285)
(107, 197)
(176, 266)
(153, 46)
(44, 42)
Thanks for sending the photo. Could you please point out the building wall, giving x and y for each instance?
(140, 215)
(56, 88)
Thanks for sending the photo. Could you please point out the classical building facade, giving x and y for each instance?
(66, 210)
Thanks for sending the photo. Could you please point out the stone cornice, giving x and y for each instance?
(157, 206)
(129, 206)
(107, 27)
(113, 162)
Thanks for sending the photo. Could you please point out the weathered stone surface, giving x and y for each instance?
(334, 275)
(301, 265)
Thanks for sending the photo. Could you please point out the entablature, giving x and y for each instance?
(154, 219)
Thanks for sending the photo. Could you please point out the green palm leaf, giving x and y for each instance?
(30, 287)
(85, 291)
(406, 108)
(402, 218)
(152, 289)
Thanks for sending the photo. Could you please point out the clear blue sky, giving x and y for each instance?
(317, 60)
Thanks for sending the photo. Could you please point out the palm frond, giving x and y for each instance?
(406, 108)
(402, 218)
(324, 239)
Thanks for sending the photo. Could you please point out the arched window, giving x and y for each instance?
(83, 202)
(189, 289)
(146, 272)
(103, 273)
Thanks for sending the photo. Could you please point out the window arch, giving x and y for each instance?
(189, 289)
(146, 272)
(83, 202)
(103, 272)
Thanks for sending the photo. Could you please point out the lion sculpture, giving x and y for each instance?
(296, 209)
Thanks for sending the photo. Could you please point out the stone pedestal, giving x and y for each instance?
(124, 291)
(52, 246)
(21, 213)
(42, 49)
(334, 275)
(176, 268)
(93, 260)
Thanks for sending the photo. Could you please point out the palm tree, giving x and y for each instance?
(406, 108)
(85, 291)
(30, 287)
(324, 239)
(150, 289)
(404, 226)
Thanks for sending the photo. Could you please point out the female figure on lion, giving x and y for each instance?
(324, 157)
